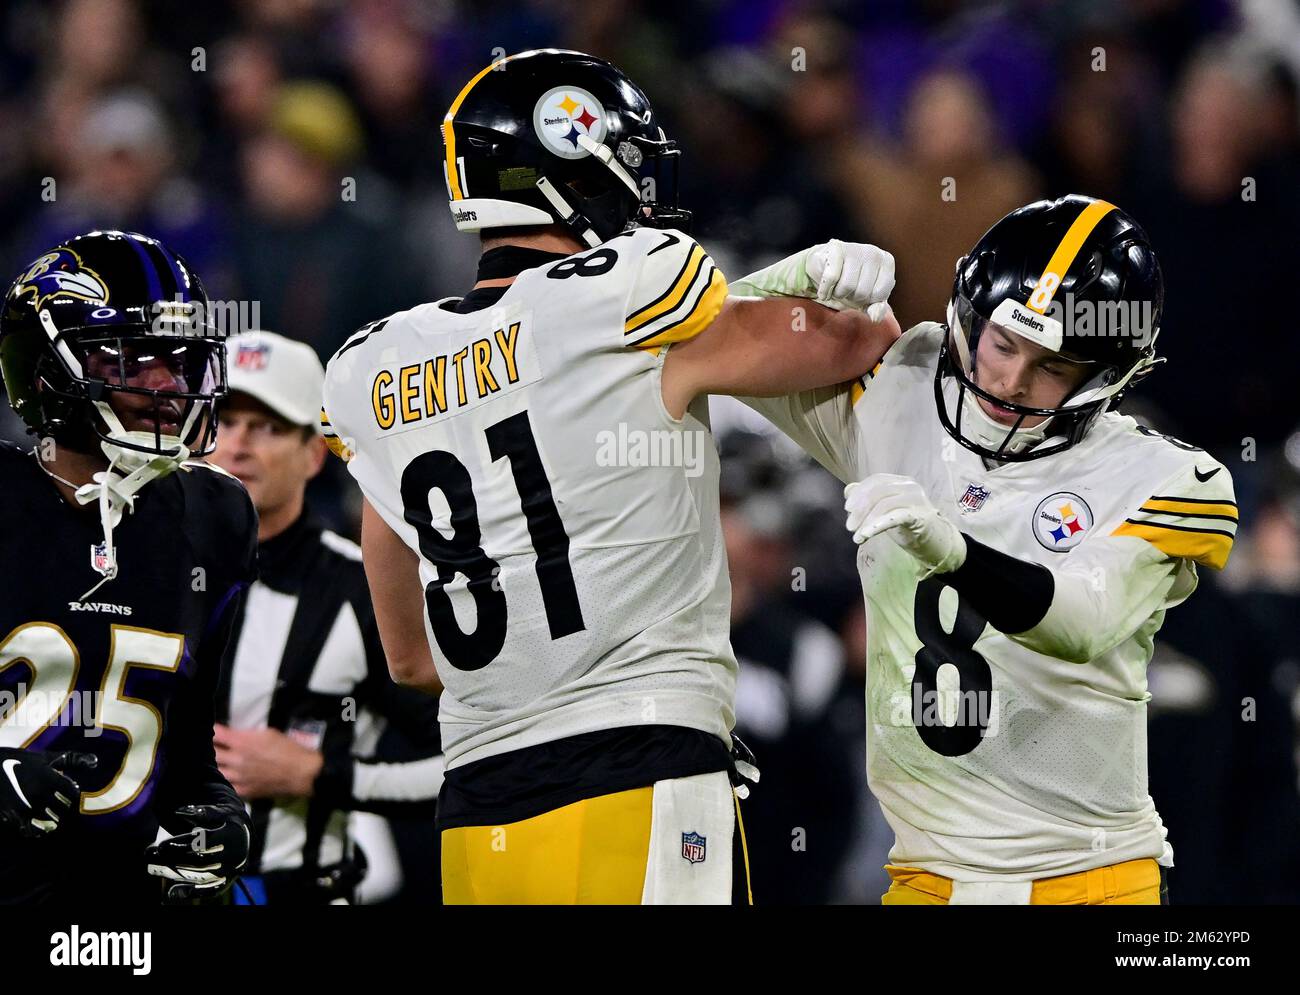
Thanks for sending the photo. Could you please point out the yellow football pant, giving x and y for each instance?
(591, 852)
(1134, 882)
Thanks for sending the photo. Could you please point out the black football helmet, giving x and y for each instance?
(113, 313)
(1077, 276)
(554, 136)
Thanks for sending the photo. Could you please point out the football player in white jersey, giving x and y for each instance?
(541, 527)
(1020, 544)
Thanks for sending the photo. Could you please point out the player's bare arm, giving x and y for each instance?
(393, 573)
(767, 348)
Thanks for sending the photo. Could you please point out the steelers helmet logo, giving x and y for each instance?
(1062, 521)
(565, 113)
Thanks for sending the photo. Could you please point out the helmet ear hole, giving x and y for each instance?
(978, 272)
(1096, 262)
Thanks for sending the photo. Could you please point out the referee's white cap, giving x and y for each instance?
(282, 373)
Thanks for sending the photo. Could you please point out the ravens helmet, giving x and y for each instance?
(552, 136)
(113, 315)
(1076, 276)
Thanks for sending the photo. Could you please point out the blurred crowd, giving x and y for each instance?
(290, 150)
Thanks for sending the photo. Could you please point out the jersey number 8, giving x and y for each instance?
(975, 678)
(511, 438)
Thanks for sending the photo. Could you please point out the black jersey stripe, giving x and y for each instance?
(1187, 500)
(1178, 528)
(693, 257)
(376, 327)
(1188, 514)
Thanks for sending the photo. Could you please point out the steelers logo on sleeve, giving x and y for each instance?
(563, 114)
(1061, 521)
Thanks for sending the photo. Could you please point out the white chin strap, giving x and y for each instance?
(980, 427)
(565, 211)
(128, 471)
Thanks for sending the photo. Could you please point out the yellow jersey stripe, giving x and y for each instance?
(1206, 509)
(699, 318)
(1206, 546)
(672, 297)
(859, 386)
(338, 448)
(1064, 255)
(449, 133)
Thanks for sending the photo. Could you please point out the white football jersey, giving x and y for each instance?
(989, 758)
(567, 526)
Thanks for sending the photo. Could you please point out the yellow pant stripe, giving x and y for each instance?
(744, 849)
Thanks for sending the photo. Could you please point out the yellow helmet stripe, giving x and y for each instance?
(1041, 299)
(449, 133)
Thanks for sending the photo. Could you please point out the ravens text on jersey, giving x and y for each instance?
(127, 677)
(120, 584)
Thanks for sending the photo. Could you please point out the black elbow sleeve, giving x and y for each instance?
(1011, 594)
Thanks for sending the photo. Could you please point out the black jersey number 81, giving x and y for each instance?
(939, 646)
(463, 553)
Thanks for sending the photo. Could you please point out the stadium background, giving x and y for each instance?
(290, 150)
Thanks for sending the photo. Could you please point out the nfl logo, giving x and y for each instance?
(693, 845)
(307, 732)
(252, 357)
(974, 498)
(101, 561)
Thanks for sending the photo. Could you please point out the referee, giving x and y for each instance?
(306, 694)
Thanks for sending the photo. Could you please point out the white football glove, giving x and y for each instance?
(852, 275)
(887, 502)
(840, 275)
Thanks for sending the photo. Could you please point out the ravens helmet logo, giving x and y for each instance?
(61, 274)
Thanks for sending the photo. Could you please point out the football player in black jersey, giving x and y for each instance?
(117, 596)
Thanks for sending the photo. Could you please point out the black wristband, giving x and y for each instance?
(1011, 594)
(333, 785)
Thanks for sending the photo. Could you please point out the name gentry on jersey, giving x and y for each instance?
(419, 391)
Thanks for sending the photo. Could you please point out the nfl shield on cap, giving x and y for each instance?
(285, 375)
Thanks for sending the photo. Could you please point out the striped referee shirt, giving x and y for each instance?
(307, 660)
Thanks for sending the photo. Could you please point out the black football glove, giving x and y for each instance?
(205, 860)
(37, 790)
